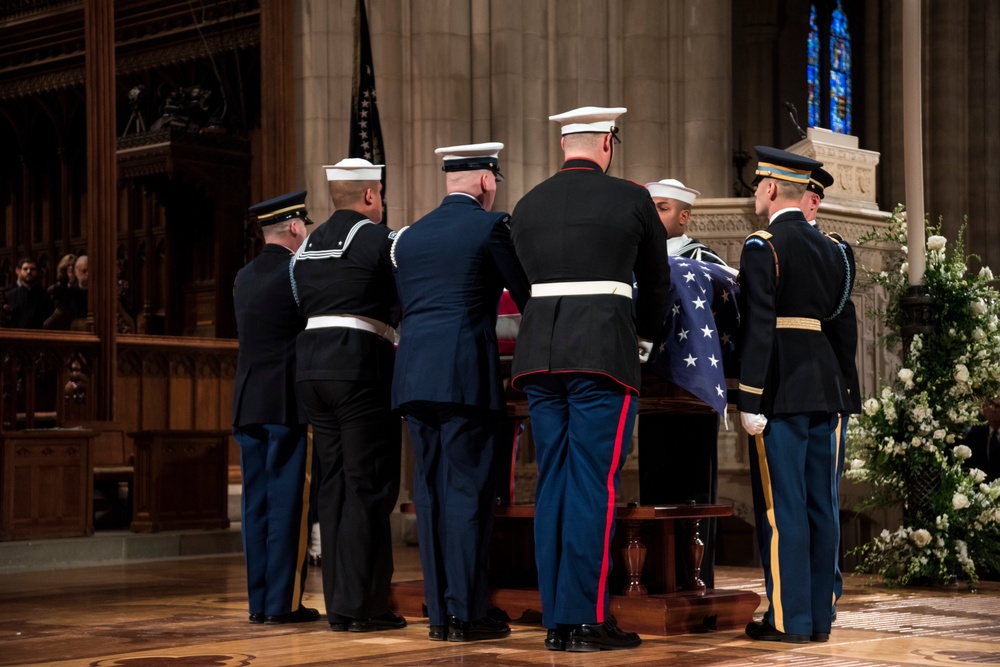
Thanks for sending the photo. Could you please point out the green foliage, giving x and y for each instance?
(906, 443)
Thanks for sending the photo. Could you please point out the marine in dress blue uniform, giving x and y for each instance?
(581, 235)
(344, 285)
(792, 391)
(451, 267)
(268, 421)
(843, 334)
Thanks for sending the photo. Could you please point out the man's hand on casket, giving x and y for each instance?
(645, 349)
(753, 424)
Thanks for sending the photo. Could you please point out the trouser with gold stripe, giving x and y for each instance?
(793, 469)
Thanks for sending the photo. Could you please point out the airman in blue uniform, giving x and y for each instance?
(581, 236)
(451, 267)
(268, 421)
(791, 393)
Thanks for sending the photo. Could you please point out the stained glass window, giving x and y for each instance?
(812, 70)
(840, 72)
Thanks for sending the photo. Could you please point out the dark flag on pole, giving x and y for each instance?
(366, 131)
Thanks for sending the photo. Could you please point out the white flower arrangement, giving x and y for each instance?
(907, 441)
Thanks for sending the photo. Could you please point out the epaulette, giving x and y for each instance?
(758, 238)
(835, 237)
(766, 235)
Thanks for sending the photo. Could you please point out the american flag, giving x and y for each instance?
(697, 351)
(366, 131)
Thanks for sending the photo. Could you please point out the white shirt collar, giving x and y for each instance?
(675, 244)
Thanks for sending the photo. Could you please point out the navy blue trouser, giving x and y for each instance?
(582, 424)
(841, 435)
(793, 469)
(453, 492)
(275, 505)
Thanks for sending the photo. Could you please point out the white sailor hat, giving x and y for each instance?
(472, 157)
(354, 169)
(590, 119)
(671, 188)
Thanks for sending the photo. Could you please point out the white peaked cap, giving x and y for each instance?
(487, 150)
(671, 188)
(354, 169)
(588, 119)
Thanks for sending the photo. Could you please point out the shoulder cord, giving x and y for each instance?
(846, 292)
(291, 276)
(392, 250)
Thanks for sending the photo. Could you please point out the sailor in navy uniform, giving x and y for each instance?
(344, 286)
(843, 334)
(792, 391)
(678, 452)
(581, 235)
(268, 422)
(451, 266)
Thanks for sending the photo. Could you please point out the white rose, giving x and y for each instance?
(961, 373)
(936, 242)
(979, 334)
(904, 267)
(977, 476)
(904, 249)
(950, 439)
(939, 434)
(906, 375)
(921, 538)
(857, 464)
(959, 501)
(961, 452)
(985, 273)
(978, 307)
(871, 407)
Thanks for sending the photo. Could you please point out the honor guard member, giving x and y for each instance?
(791, 392)
(581, 235)
(843, 334)
(451, 266)
(344, 286)
(678, 453)
(268, 422)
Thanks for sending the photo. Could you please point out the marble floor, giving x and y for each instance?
(191, 612)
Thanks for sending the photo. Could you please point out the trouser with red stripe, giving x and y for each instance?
(582, 426)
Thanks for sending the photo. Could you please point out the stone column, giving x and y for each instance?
(277, 118)
(102, 192)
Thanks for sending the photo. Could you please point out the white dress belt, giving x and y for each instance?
(352, 322)
(582, 288)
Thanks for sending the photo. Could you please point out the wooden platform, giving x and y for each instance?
(193, 612)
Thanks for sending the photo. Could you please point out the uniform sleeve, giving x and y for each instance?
(505, 259)
(388, 276)
(757, 294)
(842, 332)
(652, 273)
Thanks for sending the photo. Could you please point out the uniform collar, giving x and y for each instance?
(580, 164)
(675, 244)
(278, 248)
(785, 213)
(460, 198)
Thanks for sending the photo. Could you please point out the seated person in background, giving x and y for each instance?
(78, 293)
(28, 303)
(984, 441)
(61, 293)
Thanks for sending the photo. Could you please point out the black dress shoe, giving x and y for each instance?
(257, 619)
(819, 637)
(606, 636)
(300, 615)
(555, 640)
(387, 621)
(765, 632)
(438, 633)
(314, 561)
(484, 628)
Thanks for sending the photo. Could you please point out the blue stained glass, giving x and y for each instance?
(812, 69)
(840, 72)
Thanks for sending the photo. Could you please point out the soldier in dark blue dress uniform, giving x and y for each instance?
(792, 391)
(581, 235)
(344, 286)
(843, 334)
(268, 422)
(452, 265)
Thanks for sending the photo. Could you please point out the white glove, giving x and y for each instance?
(645, 349)
(753, 424)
